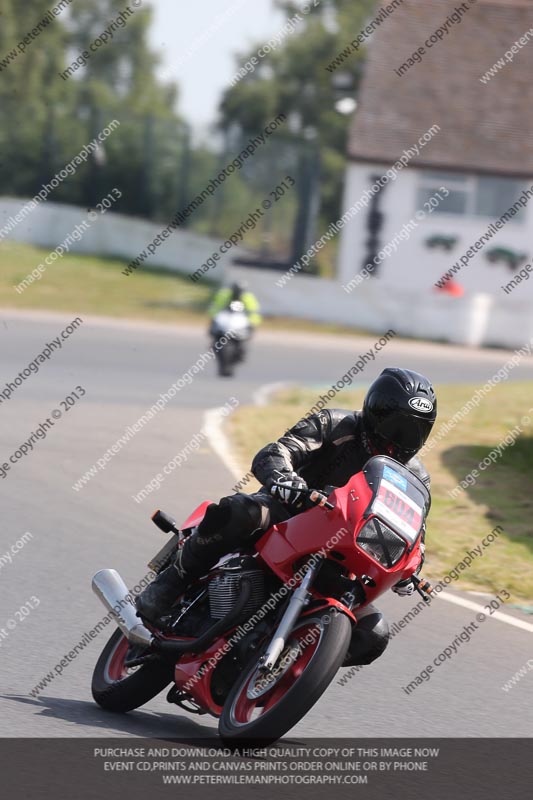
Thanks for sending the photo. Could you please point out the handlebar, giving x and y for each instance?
(423, 587)
(320, 499)
(315, 497)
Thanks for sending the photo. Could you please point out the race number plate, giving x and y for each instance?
(396, 508)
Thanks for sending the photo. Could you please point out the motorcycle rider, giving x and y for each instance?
(322, 449)
(223, 299)
(237, 291)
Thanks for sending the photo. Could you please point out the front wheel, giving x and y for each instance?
(117, 688)
(226, 359)
(261, 708)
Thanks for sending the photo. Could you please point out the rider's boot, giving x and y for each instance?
(156, 600)
(191, 561)
(215, 536)
(200, 551)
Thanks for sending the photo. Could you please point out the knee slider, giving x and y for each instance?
(246, 512)
(216, 516)
(244, 519)
(226, 526)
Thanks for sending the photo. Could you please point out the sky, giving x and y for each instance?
(197, 41)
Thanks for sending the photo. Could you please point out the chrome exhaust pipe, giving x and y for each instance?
(114, 594)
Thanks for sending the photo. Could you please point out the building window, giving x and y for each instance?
(481, 196)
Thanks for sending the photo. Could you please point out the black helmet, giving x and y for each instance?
(237, 289)
(398, 413)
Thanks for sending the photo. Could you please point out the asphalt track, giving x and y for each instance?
(123, 369)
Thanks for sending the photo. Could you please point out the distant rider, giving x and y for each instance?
(236, 292)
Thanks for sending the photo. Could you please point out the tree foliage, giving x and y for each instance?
(45, 119)
(293, 79)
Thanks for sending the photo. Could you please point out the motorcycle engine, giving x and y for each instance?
(225, 588)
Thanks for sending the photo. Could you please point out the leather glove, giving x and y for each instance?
(292, 492)
(404, 588)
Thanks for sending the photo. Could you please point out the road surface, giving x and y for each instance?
(123, 368)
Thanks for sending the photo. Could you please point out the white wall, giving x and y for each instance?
(402, 300)
(111, 235)
(370, 307)
(485, 314)
(416, 266)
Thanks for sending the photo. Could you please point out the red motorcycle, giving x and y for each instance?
(257, 640)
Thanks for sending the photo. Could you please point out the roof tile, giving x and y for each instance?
(485, 127)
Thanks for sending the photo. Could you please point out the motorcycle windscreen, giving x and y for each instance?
(399, 498)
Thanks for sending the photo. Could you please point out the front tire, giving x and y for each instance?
(261, 711)
(226, 359)
(115, 688)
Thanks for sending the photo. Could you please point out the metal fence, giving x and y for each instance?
(160, 170)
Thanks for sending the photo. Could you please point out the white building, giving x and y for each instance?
(482, 156)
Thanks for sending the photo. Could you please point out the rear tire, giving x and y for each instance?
(296, 690)
(116, 689)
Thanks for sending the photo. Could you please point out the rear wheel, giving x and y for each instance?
(117, 688)
(261, 708)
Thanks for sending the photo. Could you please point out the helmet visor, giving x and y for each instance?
(407, 434)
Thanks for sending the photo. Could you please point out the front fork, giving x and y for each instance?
(297, 603)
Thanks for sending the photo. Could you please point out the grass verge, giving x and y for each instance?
(501, 495)
(93, 285)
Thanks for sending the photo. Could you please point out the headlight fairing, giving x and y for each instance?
(381, 543)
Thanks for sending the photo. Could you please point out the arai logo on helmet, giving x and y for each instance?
(421, 404)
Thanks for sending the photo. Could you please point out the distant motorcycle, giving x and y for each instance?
(257, 640)
(230, 331)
